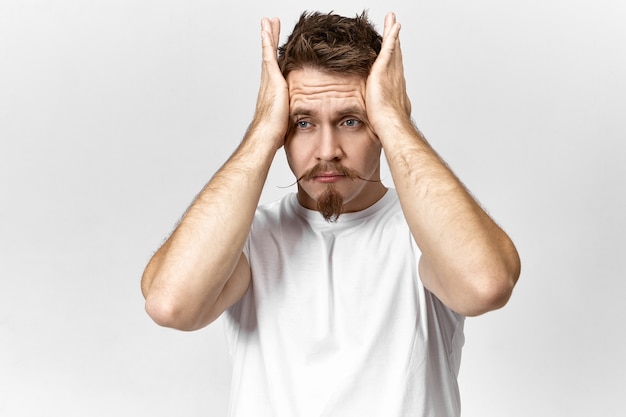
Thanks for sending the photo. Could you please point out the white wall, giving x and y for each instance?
(113, 114)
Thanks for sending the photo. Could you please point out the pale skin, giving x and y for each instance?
(467, 261)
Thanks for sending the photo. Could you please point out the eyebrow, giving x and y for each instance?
(357, 111)
(299, 111)
(352, 110)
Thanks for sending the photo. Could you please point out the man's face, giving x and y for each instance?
(330, 142)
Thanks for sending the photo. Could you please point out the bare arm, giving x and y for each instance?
(200, 270)
(467, 260)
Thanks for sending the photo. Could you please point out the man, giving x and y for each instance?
(347, 298)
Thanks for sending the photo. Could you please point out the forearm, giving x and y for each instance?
(187, 274)
(200, 270)
(467, 260)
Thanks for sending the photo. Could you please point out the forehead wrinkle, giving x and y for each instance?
(310, 94)
(336, 111)
(331, 87)
(313, 92)
(346, 102)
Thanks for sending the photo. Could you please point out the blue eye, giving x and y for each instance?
(352, 122)
(302, 124)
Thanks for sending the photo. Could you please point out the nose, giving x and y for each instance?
(329, 145)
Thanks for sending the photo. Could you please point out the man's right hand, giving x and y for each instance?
(200, 270)
(272, 107)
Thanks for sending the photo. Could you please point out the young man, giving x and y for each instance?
(347, 298)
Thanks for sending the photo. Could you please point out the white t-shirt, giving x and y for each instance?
(336, 321)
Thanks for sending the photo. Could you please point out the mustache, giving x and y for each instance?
(338, 168)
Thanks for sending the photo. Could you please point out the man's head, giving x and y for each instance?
(330, 146)
(331, 43)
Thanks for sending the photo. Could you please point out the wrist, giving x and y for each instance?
(270, 134)
(391, 127)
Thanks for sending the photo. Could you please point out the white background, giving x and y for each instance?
(113, 114)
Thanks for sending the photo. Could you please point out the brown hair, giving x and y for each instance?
(331, 43)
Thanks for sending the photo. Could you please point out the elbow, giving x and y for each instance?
(492, 291)
(492, 296)
(163, 307)
(163, 312)
(161, 315)
(499, 280)
(168, 313)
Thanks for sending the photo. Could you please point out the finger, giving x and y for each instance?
(267, 40)
(390, 19)
(275, 31)
(266, 33)
(390, 32)
(391, 43)
(391, 27)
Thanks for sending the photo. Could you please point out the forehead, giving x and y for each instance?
(310, 87)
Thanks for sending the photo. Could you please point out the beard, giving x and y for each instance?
(330, 204)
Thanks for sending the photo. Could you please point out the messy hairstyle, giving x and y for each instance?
(332, 43)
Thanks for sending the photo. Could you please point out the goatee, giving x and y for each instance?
(330, 204)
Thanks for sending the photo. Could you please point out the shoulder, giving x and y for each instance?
(275, 211)
(276, 217)
(387, 209)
